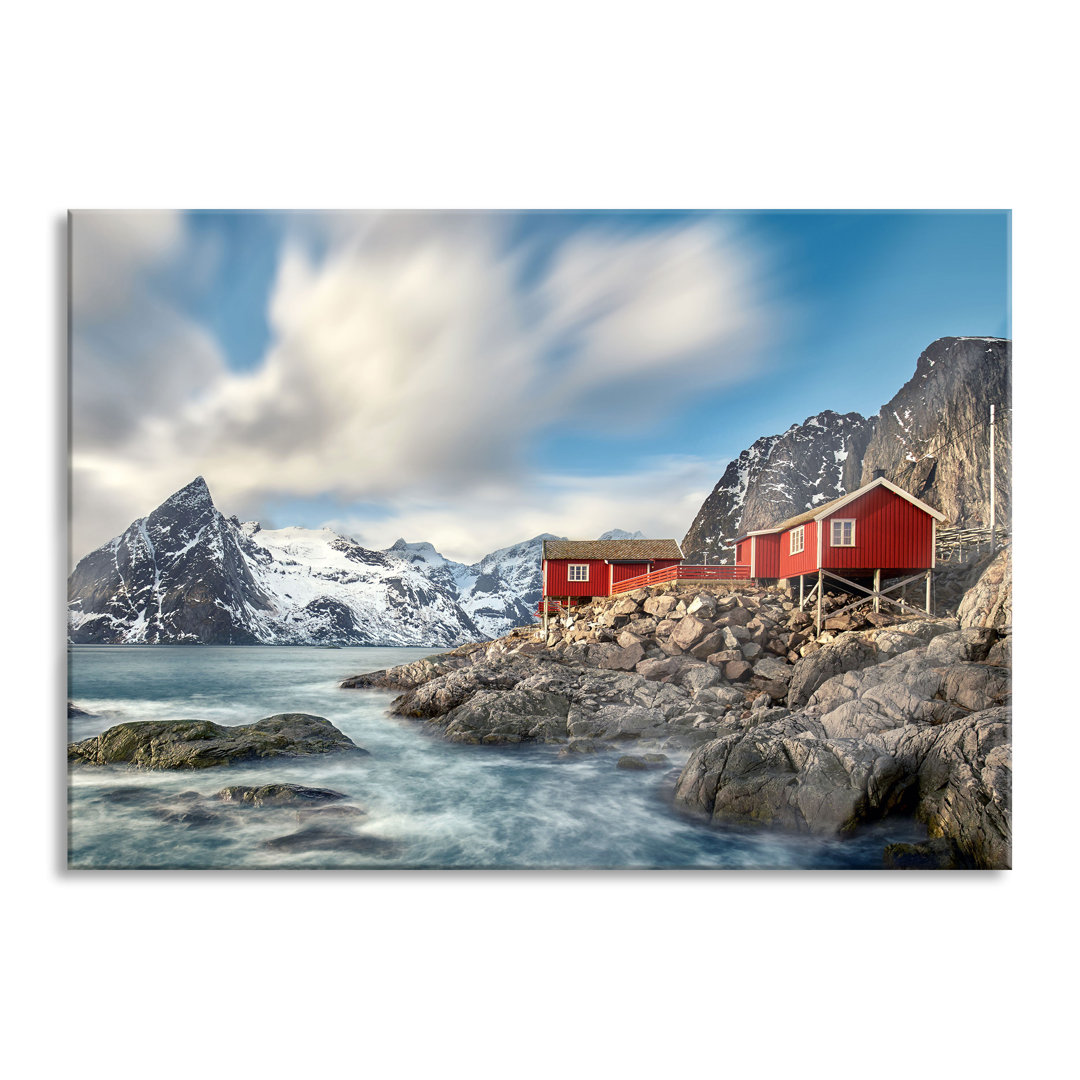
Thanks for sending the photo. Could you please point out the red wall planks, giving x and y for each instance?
(803, 562)
(890, 535)
(767, 556)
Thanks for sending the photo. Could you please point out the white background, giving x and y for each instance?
(558, 105)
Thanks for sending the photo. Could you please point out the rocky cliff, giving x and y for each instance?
(932, 439)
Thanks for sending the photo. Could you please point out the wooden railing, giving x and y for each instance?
(739, 572)
(553, 607)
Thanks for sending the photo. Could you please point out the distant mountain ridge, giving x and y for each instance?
(186, 573)
(931, 438)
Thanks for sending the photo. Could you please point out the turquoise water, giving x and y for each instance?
(430, 803)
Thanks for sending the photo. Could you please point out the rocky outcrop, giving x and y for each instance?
(988, 603)
(200, 744)
(924, 732)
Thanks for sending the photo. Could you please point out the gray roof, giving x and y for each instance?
(615, 550)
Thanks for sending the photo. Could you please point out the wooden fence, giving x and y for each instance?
(740, 572)
(958, 545)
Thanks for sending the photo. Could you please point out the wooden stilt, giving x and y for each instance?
(800, 591)
(820, 589)
(877, 589)
(929, 577)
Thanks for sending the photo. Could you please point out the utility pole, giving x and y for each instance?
(992, 535)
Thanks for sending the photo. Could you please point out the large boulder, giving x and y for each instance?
(988, 603)
(965, 787)
(507, 716)
(787, 773)
(200, 744)
(690, 632)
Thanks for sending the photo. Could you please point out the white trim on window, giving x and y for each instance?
(842, 532)
(577, 572)
(797, 540)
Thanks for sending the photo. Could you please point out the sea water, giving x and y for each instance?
(433, 804)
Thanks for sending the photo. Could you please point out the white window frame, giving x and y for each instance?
(833, 522)
(797, 540)
(583, 568)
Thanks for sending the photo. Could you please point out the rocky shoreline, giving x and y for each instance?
(880, 716)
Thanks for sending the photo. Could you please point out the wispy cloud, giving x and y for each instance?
(415, 360)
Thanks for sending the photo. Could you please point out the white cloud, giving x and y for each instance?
(661, 499)
(111, 250)
(411, 364)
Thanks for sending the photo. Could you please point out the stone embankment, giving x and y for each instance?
(880, 715)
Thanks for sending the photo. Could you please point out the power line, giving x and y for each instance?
(960, 434)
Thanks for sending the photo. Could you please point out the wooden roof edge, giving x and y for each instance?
(838, 504)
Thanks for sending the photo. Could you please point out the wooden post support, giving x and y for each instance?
(877, 590)
(800, 592)
(546, 603)
(929, 576)
(820, 589)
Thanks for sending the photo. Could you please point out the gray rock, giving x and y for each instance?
(850, 653)
(788, 774)
(699, 677)
(660, 606)
(625, 658)
(291, 795)
(769, 667)
(703, 606)
(200, 744)
(708, 645)
(970, 643)
(988, 603)
(507, 716)
(690, 631)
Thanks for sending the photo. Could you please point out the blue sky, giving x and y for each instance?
(472, 379)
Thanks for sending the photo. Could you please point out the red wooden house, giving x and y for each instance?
(577, 570)
(878, 531)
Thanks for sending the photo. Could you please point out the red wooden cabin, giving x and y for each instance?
(577, 570)
(878, 531)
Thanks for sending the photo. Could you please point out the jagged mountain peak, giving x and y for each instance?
(196, 493)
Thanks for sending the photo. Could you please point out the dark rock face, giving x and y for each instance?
(200, 744)
(179, 574)
(932, 439)
(988, 603)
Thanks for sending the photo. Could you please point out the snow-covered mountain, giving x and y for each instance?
(186, 573)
